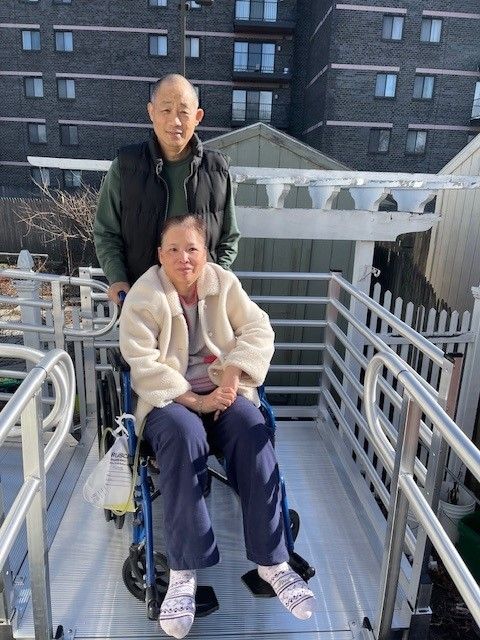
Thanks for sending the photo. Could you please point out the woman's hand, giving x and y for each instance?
(231, 377)
(218, 400)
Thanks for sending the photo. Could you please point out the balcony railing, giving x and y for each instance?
(264, 63)
(257, 10)
(244, 113)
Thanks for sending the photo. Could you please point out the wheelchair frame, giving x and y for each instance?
(145, 571)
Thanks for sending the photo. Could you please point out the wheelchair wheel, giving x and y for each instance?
(119, 521)
(132, 580)
(294, 523)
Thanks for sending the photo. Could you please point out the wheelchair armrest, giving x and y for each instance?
(116, 359)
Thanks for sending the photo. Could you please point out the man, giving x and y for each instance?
(168, 175)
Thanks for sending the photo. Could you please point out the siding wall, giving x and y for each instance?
(453, 265)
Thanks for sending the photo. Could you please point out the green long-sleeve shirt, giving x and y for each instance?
(107, 228)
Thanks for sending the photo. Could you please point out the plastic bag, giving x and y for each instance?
(109, 486)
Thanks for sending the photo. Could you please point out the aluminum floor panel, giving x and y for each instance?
(86, 557)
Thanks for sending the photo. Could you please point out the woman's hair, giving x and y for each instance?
(187, 220)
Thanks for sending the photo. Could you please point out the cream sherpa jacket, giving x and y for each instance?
(154, 336)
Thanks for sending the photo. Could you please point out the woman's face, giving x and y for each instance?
(182, 255)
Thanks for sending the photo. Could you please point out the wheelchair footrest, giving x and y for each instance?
(301, 566)
(257, 587)
(205, 601)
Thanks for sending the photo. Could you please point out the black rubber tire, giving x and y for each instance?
(131, 582)
(113, 399)
(108, 515)
(294, 523)
(119, 521)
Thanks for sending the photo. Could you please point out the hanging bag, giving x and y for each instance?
(110, 485)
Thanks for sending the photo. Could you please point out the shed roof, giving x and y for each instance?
(265, 132)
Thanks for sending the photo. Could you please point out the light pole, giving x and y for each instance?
(184, 6)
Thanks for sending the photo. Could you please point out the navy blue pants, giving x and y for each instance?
(178, 437)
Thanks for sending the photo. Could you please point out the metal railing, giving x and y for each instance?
(257, 10)
(30, 502)
(405, 492)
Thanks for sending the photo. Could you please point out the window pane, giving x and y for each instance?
(265, 112)
(238, 104)
(383, 140)
(418, 87)
(397, 28)
(68, 41)
(193, 47)
(420, 142)
(158, 3)
(428, 82)
(390, 85)
(242, 9)
(268, 58)
(37, 133)
(41, 176)
(240, 57)
(436, 31)
(425, 32)
(34, 87)
(476, 102)
(387, 27)
(380, 85)
(158, 46)
(270, 10)
(72, 178)
(26, 40)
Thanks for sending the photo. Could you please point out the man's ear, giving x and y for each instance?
(199, 115)
(150, 110)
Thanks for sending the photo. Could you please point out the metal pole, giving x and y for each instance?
(33, 465)
(183, 28)
(6, 585)
(397, 516)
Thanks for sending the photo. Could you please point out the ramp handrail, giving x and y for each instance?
(405, 492)
(30, 502)
(18, 274)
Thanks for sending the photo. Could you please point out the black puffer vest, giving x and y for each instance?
(144, 199)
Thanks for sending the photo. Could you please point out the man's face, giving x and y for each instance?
(174, 114)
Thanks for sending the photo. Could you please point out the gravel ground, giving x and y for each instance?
(451, 619)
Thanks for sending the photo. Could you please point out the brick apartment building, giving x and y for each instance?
(377, 87)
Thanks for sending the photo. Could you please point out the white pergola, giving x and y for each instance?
(364, 224)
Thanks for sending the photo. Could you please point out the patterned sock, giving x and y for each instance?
(178, 608)
(291, 589)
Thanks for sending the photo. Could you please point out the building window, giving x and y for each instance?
(192, 47)
(251, 106)
(431, 30)
(31, 40)
(157, 45)
(33, 87)
(379, 141)
(40, 176)
(62, 1)
(37, 133)
(66, 88)
(69, 135)
(423, 87)
(385, 85)
(392, 27)
(476, 102)
(191, 4)
(254, 56)
(416, 142)
(63, 41)
(157, 3)
(260, 10)
(72, 179)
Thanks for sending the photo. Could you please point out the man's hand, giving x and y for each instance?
(115, 288)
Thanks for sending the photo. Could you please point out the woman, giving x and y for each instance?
(198, 347)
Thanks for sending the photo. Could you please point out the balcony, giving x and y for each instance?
(261, 68)
(260, 16)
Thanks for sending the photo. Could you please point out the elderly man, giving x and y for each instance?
(168, 175)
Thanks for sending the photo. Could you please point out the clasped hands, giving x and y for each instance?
(224, 395)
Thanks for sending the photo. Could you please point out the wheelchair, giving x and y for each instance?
(145, 571)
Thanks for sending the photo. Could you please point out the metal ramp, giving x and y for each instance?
(90, 599)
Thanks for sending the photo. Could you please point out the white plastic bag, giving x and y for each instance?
(109, 486)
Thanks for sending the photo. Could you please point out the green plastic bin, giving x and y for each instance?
(469, 542)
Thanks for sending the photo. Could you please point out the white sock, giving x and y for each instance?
(291, 589)
(178, 608)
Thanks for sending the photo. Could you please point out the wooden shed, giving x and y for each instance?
(260, 145)
(453, 264)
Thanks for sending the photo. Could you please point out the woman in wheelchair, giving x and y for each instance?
(198, 347)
